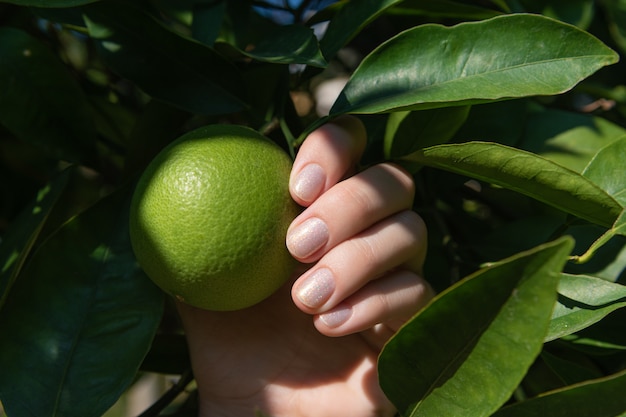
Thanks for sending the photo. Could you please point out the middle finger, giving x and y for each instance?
(348, 208)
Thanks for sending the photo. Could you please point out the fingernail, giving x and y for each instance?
(309, 182)
(337, 317)
(307, 238)
(316, 288)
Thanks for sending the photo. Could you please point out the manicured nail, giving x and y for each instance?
(307, 238)
(309, 182)
(337, 317)
(316, 288)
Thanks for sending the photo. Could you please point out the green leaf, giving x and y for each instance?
(444, 8)
(505, 57)
(80, 319)
(409, 131)
(525, 173)
(476, 340)
(616, 14)
(351, 18)
(567, 138)
(575, 12)
(290, 44)
(50, 3)
(40, 102)
(18, 240)
(165, 65)
(607, 170)
(602, 397)
(583, 301)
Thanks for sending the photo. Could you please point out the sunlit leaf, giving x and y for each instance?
(607, 169)
(526, 173)
(505, 57)
(583, 301)
(81, 317)
(476, 340)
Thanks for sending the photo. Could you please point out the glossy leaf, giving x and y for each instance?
(40, 102)
(607, 170)
(409, 131)
(526, 173)
(602, 397)
(505, 57)
(476, 340)
(165, 65)
(81, 318)
(583, 301)
(17, 242)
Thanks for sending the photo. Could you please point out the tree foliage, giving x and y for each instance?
(511, 114)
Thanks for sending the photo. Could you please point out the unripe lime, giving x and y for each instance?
(209, 216)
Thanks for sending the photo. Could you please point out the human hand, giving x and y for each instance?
(364, 249)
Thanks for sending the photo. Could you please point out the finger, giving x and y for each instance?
(347, 208)
(395, 297)
(326, 156)
(397, 240)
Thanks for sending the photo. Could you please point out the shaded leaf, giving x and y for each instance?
(50, 3)
(444, 8)
(505, 57)
(525, 173)
(81, 317)
(17, 242)
(164, 64)
(607, 169)
(409, 131)
(476, 340)
(573, 369)
(349, 20)
(291, 44)
(40, 102)
(576, 12)
(602, 397)
(583, 301)
(616, 13)
(567, 138)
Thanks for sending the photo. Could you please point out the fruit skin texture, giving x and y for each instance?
(209, 216)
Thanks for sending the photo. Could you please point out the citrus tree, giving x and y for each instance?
(510, 113)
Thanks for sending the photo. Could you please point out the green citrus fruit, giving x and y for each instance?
(209, 216)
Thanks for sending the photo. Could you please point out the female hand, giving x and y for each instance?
(362, 250)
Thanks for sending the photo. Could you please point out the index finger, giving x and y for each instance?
(327, 155)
